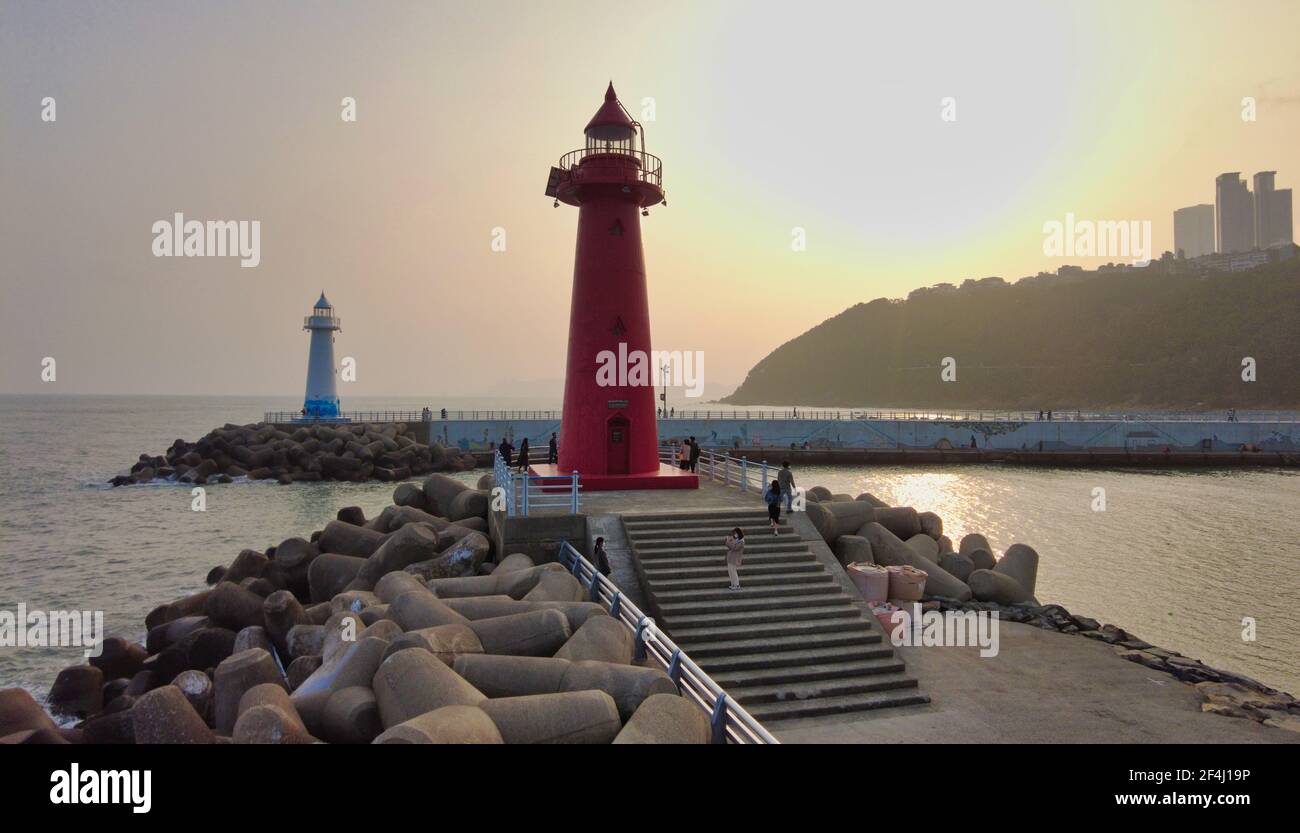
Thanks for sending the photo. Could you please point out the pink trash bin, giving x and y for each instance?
(871, 580)
(906, 583)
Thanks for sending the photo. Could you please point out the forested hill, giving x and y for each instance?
(1157, 337)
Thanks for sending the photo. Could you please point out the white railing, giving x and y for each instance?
(728, 719)
(744, 474)
(349, 416)
(525, 493)
(821, 415)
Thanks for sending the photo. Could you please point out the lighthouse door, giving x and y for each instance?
(617, 446)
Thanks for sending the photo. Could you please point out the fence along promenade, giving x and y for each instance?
(822, 415)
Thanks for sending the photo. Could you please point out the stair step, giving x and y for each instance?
(813, 581)
(717, 552)
(732, 515)
(655, 559)
(736, 602)
(714, 592)
(674, 530)
(775, 676)
(794, 658)
(768, 644)
(679, 521)
(818, 689)
(766, 541)
(850, 620)
(757, 617)
(655, 573)
(765, 712)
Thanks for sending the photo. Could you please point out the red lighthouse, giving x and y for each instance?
(608, 431)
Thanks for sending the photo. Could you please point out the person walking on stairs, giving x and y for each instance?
(735, 544)
(786, 478)
(773, 498)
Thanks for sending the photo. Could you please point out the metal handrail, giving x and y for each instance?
(732, 471)
(728, 719)
(349, 416)
(649, 168)
(524, 492)
(814, 415)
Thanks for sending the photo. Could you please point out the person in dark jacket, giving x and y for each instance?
(600, 557)
(507, 451)
(695, 454)
(772, 497)
(552, 450)
(523, 454)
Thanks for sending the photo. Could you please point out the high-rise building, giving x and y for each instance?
(1234, 214)
(1194, 230)
(1272, 212)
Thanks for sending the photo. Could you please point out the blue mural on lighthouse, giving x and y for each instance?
(322, 399)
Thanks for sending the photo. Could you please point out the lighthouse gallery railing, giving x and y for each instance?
(613, 164)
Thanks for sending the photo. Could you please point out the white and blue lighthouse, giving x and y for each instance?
(322, 400)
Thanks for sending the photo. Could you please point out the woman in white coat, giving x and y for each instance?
(735, 544)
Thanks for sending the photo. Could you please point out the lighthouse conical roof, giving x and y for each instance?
(610, 115)
(323, 302)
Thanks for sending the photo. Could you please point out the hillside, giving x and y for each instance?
(1157, 337)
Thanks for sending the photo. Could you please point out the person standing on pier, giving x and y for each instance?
(735, 544)
(695, 454)
(507, 451)
(601, 557)
(786, 478)
(552, 450)
(773, 499)
(684, 455)
(523, 454)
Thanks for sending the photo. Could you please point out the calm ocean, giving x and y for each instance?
(1178, 558)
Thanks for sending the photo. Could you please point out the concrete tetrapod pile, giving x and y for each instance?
(354, 452)
(866, 529)
(968, 578)
(404, 628)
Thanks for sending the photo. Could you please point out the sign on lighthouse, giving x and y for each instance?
(608, 431)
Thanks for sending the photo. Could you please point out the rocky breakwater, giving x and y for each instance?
(403, 628)
(968, 577)
(354, 452)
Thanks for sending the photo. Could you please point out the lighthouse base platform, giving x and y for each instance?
(665, 477)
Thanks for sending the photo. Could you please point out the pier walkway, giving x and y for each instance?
(1042, 687)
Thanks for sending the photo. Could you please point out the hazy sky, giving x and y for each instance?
(768, 116)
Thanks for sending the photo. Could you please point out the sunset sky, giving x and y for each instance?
(768, 116)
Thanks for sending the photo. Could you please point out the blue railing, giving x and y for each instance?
(728, 719)
(524, 493)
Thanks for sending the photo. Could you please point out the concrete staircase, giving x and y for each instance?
(794, 641)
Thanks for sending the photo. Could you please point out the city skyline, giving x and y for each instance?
(393, 215)
(1240, 219)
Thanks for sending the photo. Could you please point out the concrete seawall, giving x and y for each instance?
(1140, 438)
